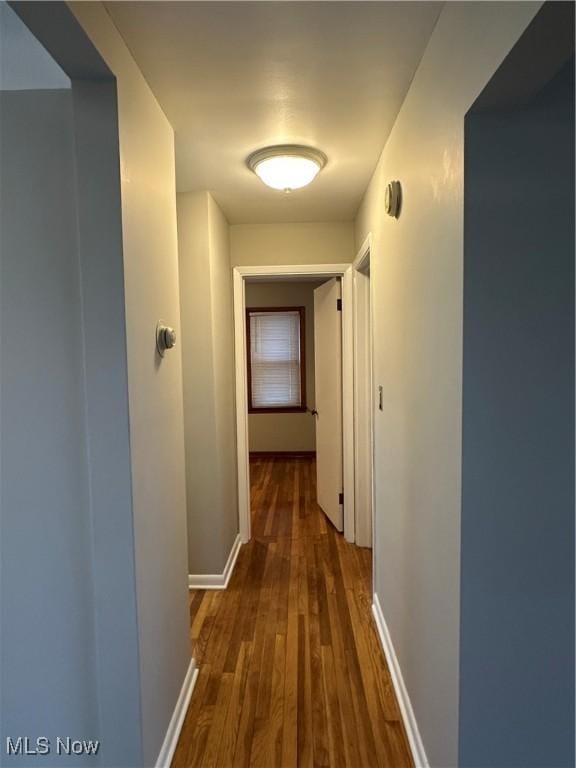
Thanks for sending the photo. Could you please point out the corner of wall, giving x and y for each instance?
(209, 395)
(150, 259)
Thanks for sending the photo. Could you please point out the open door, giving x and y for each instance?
(328, 374)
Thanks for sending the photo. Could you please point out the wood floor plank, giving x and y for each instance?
(291, 670)
(229, 734)
(211, 750)
(276, 715)
(319, 707)
(335, 734)
(304, 738)
(199, 646)
(182, 756)
(348, 717)
(370, 687)
(201, 601)
(290, 713)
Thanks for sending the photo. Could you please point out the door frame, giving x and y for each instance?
(363, 304)
(286, 272)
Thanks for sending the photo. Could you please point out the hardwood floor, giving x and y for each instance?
(291, 670)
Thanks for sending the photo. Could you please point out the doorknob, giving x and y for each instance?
(314, 412)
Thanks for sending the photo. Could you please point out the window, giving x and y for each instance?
(276, 359)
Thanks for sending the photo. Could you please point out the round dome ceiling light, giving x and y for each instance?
(287, 167)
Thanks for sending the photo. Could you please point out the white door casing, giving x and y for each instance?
(363, 398)
(328, 375)
(275, 272)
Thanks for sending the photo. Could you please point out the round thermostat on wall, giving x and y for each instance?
(393, 199)
(165, 338)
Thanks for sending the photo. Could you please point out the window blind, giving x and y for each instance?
(275, 359)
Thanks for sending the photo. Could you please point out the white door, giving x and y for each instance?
(328, 380)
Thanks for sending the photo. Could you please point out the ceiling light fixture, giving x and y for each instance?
(288, 166)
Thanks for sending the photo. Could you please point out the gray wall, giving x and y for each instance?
(25, 63)
(517, 589)
(206, 305)
(48, 650)
(286, 431)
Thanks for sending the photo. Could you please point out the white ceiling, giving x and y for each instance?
(236, 76)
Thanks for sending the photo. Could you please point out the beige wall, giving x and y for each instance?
(286, 431)
(416, 267)
(154, 385)
(209, 387)
(322, 243)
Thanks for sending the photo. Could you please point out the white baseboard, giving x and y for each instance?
(410, 724)
(217, 580)
(175, 726)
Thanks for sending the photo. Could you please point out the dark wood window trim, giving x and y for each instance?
(302, 408)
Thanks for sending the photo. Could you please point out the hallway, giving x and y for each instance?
(291, 669)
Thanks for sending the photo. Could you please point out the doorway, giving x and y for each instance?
(294, 374)
(319, 273)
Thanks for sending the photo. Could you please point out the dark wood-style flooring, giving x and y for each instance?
(291, 670)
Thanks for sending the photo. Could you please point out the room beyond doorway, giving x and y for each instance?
(281, 419)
